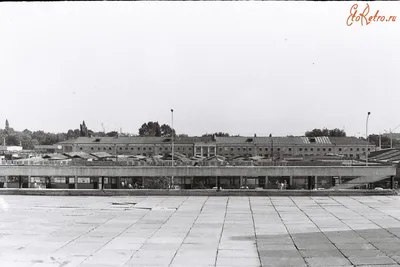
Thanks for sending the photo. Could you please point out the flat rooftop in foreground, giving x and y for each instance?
(199, 231)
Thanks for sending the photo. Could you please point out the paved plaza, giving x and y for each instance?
(199, 231)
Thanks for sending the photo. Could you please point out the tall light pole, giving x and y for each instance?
(172, 145)
(366, 138)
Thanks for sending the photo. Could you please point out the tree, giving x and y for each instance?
(84, 130)
(219, 134)
(325, 132)
(112, 134)
(150, 129)
(166, 130)
(72, 134)
(385, 140)
(337, 133)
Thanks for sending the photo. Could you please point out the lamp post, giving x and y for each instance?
(366, 138)
(172, 145)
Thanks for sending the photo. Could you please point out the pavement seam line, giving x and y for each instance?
(320, 228)
(166, 198)
(183, 241)
(255, 231)
(222, 231)
(291, 237)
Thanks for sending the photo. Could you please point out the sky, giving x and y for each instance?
(246, 68)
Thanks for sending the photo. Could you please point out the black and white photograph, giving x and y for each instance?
(199, 134)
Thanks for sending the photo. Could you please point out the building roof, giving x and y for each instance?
(78, 154)
(55, 156)
(101, 155)
(241, 140)
(136, 140)
(347, 141)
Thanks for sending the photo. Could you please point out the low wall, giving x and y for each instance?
(193, 192)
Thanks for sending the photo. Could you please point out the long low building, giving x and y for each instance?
(85, 177)
(268, 147)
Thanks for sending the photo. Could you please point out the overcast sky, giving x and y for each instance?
(237, 67)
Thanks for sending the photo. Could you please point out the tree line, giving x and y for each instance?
(28, 139)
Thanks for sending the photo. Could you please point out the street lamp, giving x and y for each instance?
(366, 138)
(172, 140)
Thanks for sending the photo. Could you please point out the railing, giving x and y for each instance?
(177, 163)
(31, 162)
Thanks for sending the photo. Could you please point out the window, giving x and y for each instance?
(231, 148)
(358, 149)
(105, 148)
(244, 149)
(323, 149)
(144, 149)
(160, 148)
(300, 149)
(109, 148)
(131, 148)
(220, 149)
(179, 148)
(249, 148)
(138, 148)
(266, 149)
(120, 148)
(91, 148)
(80, 148)
(279, 149)
(149, 148)
(190, 148)
(329, 149)
(260, 149)
(305, 149)
(369, 149)
(317, 149)
(126, 148)
(165, 148)
(98, 148)
(311, 149)
(238, 149)
(363, 149)
(340, 149)
(290, 149)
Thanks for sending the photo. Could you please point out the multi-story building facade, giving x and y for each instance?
(281, 147)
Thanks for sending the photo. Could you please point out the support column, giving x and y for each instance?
(29, 181)
(76, 182)
(266, 186)
(391, 182)
(201, 150)
(291, 182)
(218, 184)
(102, 182)
(142, 182)
(241, 181)
(309, 182)
(315, 182)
